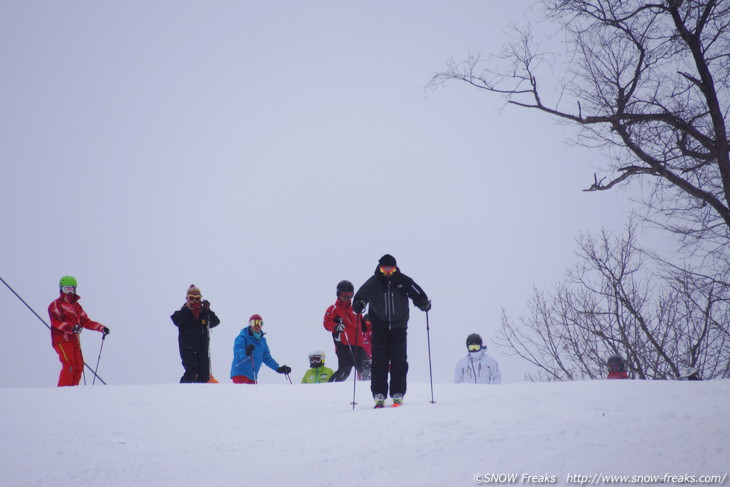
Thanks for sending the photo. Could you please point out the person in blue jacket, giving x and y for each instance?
(250, 350)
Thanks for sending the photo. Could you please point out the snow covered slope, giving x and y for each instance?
(308, 435)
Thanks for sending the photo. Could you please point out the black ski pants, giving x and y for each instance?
(195, 360)
(389, 354)
(345, 363)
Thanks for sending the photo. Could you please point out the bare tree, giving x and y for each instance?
(647, 81)
(616, 302)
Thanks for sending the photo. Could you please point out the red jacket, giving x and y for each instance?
(342, 309)
(618, 375)
(64, 316)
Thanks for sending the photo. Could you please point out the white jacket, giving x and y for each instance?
(477, 368)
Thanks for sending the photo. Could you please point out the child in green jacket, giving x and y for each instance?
(318, 373)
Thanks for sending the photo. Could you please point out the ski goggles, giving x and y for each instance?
(68, 289)
(194, 299)
(256, 323)
(474, 348)
(387, 270)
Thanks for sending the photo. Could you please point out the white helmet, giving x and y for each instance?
(316, 352)
(316, 357)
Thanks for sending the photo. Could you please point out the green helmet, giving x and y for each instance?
(67, 281)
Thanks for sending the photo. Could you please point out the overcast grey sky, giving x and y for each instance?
(265, 151)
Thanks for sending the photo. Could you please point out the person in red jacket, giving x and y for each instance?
(616, 368)
(347, 330)
(68, 318)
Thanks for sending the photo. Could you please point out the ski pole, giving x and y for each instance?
(42, 320)
(253, 370)
(361, 336)
(430, 373)
(26, 304)
(103, 337)
(354, 365)
(210, 362)
(83, 370)
(288, 378)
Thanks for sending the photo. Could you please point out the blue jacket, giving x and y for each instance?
(242, 363)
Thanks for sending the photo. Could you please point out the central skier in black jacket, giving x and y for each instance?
(194, 321)
(387, 293)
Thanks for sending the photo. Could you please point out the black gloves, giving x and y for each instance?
(424, 305)
(340, 325)
(358, 306)
(76, 329)
(284, 369)
(206, 304)
(105, 332)
(249, 349)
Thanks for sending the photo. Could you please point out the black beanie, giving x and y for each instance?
(473, 339)
(387, 260)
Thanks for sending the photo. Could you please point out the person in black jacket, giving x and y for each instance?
(194, 321)
(387, 293)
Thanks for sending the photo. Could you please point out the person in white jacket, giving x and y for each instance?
(477, 367)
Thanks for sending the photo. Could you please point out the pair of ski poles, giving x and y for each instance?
(98, 359)
(354, 361)
(253, 369)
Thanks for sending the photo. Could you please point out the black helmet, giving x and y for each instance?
(345, 286)
(616, 364)
(473, 339)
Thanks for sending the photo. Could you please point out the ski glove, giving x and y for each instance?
(339, 328)
(206, 304)
(249, 349)
(284, 369)
(358, 307)
(425, 306)
(76, 329)
(105, 331)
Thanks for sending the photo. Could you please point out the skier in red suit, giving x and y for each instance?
(348, 330)
(68, 318)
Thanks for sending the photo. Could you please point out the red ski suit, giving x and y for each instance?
(64, 315)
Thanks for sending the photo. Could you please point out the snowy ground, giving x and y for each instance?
(308, 435)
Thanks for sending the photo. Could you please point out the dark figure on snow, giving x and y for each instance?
(348, 330)
(194, 321)
(387, 293)
(690, 373)
(617, 368)
(68, 318)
